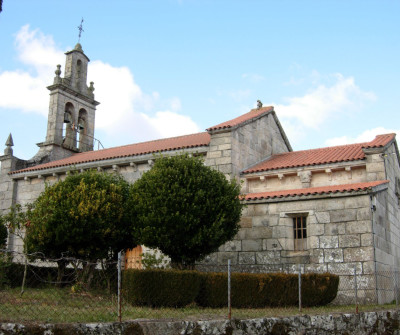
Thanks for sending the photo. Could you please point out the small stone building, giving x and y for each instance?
(331, 209)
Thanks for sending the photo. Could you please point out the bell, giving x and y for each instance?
(81, 124)
(67, 117)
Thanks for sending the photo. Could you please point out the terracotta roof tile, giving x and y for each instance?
(166, 144)
(380, 141)
(342, 153)
(314, 190)
(254, 113)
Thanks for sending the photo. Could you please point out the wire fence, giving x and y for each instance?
(36, 288)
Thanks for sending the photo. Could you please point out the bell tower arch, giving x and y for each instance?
(71, 118)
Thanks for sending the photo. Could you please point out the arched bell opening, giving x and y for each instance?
(83, 139)
(69, 135)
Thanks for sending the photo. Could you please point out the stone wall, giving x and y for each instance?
(233, 150)
(386, 216)
(339, 238)
(364, 323)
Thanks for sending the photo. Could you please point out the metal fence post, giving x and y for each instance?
(119, 286)
(229, 290)
(355, 287)
(300, 288)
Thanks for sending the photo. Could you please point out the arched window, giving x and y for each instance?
(83, 140)
(69, 135)
(78, 74)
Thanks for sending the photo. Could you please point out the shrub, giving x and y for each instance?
(319, 289)
(261, 290)
(160, 288)
(171, 288)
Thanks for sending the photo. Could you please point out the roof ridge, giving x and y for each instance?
(361, 144)
(242, 118)
(132, 144)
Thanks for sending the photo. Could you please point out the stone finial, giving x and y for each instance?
(57, 78)
(78, 47)
(91, 87)
(90, 90)
(9, 143)
(58, 71)
(259, 104)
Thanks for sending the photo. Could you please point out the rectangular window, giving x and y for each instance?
(300, 233)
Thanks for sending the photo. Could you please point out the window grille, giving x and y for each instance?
(300, 233)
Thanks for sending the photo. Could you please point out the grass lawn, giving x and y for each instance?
(57, 305)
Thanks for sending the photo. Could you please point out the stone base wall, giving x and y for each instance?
(381, 322)
(339, 240)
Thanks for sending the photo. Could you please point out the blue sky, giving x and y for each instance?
(169, 67)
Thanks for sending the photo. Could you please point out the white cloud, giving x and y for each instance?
(321, 104)
(169, 124)
(124, 106)
(314, 108)
(366, 136)
(39, 54)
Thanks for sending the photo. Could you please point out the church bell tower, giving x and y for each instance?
(71, 119)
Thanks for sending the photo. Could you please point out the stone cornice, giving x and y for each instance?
(69, 90)
(102, 164)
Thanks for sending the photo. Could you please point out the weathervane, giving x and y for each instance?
(80, 28)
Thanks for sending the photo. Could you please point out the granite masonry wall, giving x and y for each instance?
(339, 239)
(364, 323)
(236, 149)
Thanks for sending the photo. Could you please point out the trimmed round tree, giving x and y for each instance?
(84, 216)
(185, 209)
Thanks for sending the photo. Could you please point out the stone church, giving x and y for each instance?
(332, 209)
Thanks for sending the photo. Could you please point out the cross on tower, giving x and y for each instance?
(80, 28)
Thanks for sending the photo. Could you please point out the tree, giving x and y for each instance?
(17, 220)
(3, 234)
(85, 217)
(185, 209)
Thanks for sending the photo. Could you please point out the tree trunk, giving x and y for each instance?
(61, 264)
(24, 278)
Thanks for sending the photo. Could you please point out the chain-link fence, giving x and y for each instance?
(36, 288)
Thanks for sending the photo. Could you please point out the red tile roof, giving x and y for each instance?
(166, 144)
(342, 153)
(357, 187)
(254, 113)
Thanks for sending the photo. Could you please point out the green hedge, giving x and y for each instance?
(158, 288)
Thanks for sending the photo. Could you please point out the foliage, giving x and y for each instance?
(160, 288)
(18, 219)
(163, 288)
(185, 209)
(3, 233)
(154, 260)
(83, 216)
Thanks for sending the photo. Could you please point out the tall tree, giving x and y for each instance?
(185, 209)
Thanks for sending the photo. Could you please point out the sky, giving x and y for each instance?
(164, 68)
